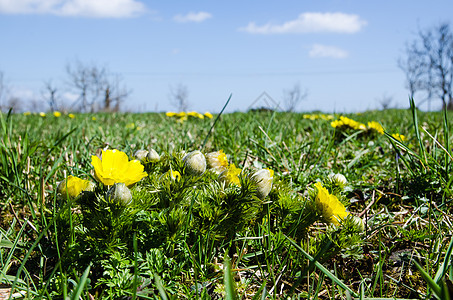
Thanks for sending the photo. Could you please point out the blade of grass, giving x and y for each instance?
(215, 121)
(230, 289)
(81, 285)
(322, 268)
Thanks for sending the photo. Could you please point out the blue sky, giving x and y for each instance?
(343, 52)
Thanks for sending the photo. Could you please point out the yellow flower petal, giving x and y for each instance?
(115, 167)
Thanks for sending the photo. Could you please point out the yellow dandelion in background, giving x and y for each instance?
(42, 114)
(310, 117)
(373, 125)
(231, 175)
(329, 206)
(195, 114)
(93, 118)
(326, 117)
(72, 116)
(73, 186)
(114, 166)
(170, 114)
(208, 115)
(27, 113)
(57, 114)
(345, 122)
(399, 137)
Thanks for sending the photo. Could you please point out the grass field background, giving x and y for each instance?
(196, 238)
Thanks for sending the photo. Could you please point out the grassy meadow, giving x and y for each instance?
(354, 212)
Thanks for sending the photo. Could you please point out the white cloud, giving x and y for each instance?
(193, 17)
(311, 22)
(318, 50)
(84, 8)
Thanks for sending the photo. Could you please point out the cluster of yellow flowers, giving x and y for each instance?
(56, 114)
(218, 163)
(318, 116)
(182, 115)
(347, 123)
(112, 168)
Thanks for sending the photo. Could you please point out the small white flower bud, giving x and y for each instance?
(263, 179)
(153, 156)
(195, 163)
(339, 179)
(120, 193)
(359, 222)
(141, 155)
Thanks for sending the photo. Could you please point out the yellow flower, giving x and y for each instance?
(330, 207)
(195, 114)
(170, 114)
(345, 122)
(217, 161)
(57, 114)
(208, 115)
(73, 186)
(263, 179)
(326, 117)
(27, 113)
(174, 175)
(181, 114)
(114, 166)
(93, 118)
(42, 114)
(376, 126)
(72, 116)
(230, 175)
(399, 137)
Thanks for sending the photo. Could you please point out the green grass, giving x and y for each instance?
(193, 238)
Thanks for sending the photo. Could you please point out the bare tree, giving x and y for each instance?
(293, 97)
(179, 97)
(114, 94)
(385, 101)
(428, 65)
(97, 88)
(14, 104)
(50, 93)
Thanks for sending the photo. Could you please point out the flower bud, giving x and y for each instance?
(141, 155)
(195, 163)
(153, 156)
(263, 179)
(338, 179)
(72, 186)
(359, 222)
(120, 193)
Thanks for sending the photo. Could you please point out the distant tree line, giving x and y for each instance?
(94, 88)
